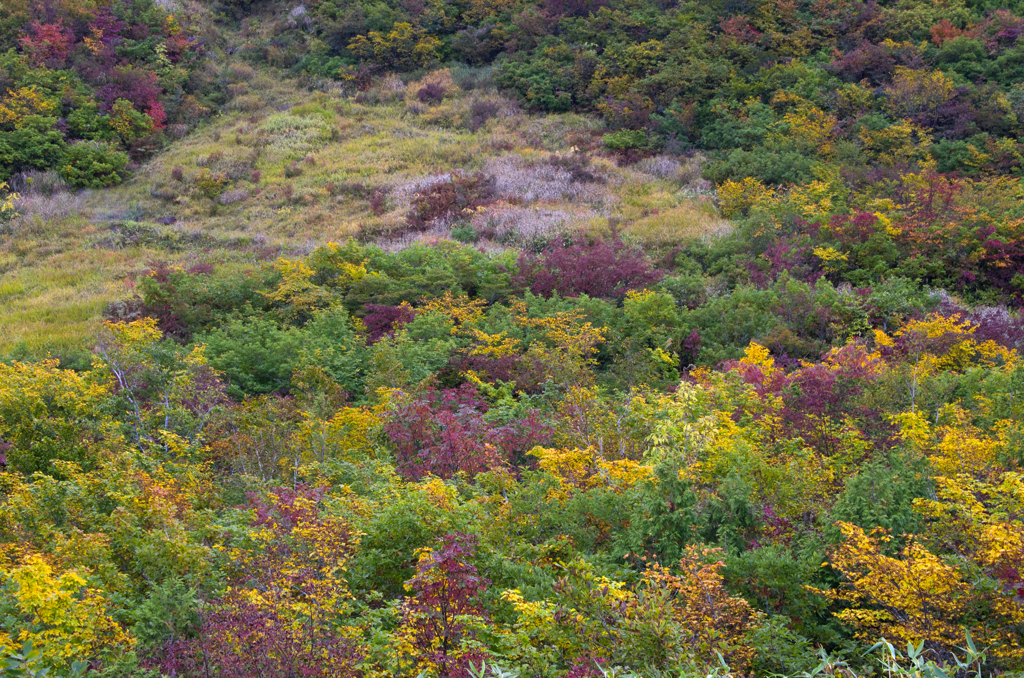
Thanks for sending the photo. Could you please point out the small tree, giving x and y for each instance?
(444, 606)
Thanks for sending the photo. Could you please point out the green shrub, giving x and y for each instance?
(85, 122)
(626, 139)
(780, 651)
(774, 579)
(541, 83)
(170, 610)
(465, 234)
(334, 346)
(882, 495)
(394, 532)
(786, 167)
(897, 299)
(93, 164)
(255, 354)
(728, 323)
(415, 353)
(34, 145)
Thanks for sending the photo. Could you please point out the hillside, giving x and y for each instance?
(511, 338)
(298, 169)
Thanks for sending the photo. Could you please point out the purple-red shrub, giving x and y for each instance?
(586, 667)
(106, 31)
(449, 198)
(382, 320)
(446, 588)
(285, 511)
(106, 27)
(142, 88)
(1002, 262)
(47, 44)
(1000, 30)
(489, 369)
(764, 381)
(991, 323)
(875, 63)
(817, 397)
(431, 93)
(599, 268)
(689, 349)
(444, 432)
(789, 254)
(854, 229)
(241, 640)
(775, 527)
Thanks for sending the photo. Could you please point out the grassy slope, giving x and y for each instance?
(69, 255)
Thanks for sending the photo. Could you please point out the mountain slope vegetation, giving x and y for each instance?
(534, 338)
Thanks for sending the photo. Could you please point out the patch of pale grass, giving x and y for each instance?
(401, 195)
(233, 196)
(555, 133)
(50, 207)
(684, 171)
(696, 220)
(528, 225)
(661, 166)
(536, 180)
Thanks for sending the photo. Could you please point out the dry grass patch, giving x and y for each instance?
(694, 220)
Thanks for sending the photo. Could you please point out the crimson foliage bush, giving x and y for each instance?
(444, 432)
(382, 320)
(599, 268)
(449, 198)
(446, 589)
(239, 637)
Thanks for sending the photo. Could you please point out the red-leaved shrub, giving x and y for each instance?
(461, 193)
(446, 590)
(444, 432)
(47, 44)
(142, 88)
(239, 637)
(599, 268)
(382, 320)
(431, 93)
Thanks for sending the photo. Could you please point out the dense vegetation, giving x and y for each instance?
(550, 339)
(389, 464)
(87, 85)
